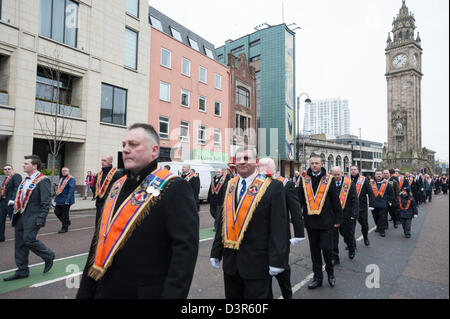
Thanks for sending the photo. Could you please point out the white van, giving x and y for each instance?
(205, 173)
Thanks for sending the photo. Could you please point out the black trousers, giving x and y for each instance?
(62, 212)
(237, 287)
(406, 223)
(429, 195)
(321, 242)
(346, 230)
(216, 213)
(5, 210)
(363, 220)
(284, 281)
(393, 213)
(380, 218)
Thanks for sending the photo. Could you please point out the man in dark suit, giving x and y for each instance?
(384, 196)
(216, 194)
(394, 181)
(149, 249)
(252, 242)
(364, 193)
(7, 195)
(346, 191)
(30, 213)
(189, 174)
(103, 182)
(267, 166)
(65, 197)
(322, 213)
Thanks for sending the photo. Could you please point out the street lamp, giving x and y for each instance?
(308, 100)
(303, 148)
(360, 151)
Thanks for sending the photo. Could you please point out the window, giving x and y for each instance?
(202, 103)
(185, 97)
(242, 96)
(185, 67)
(255, 58)
(184, 131)
(113, 105)
(166, 58)
(164, 127)
(176, 35)
(48, 88)
(242, 124)
(156, 23)
(131, 42)
(220, 56)
(58, 20)
(201, 134)
(193, 44)
(217, 137)
(255, 43)
(133, 7)
(164, 91)
(209, 53)
(238, 49)
(217, 108)
(203, 75)
(218, 81)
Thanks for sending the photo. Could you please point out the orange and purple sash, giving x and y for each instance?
(115, 228)
(63, 184)
(216, 189)
(345, 190)
(359, 184)
(21, 203)
(382, 188)
(315, 202)
(100, 189)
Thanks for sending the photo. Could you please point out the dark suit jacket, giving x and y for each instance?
(366, 191)
(351, 208)
(67, 196)
(331, 212)
(11, 191)
(38, 205)
(100, 201)
(295, 211)
(158, 260)
(217, 199)
(388, 198)
(195, 186)
(264, 243)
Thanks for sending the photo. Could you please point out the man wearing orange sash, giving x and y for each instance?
(444, 183)
(189, 174)
(103, 182)
(407, 210)
(322, 213)
(254, 227)
(146, 244)
(384, 196)
(394, 181)
(31, 207)
(216, 194)
(346, 191)
(65, 197)
(267, 166)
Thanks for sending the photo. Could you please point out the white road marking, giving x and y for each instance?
(55, 280)
(53, 233)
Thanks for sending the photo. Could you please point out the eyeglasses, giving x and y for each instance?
(7, 169)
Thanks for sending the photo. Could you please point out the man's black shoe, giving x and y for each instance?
(351, 254)
(314, 284)
(395, 226)
(48, 264)
(377, 230)
(335, 261)
(63, 230)
(366, 241)
(408, 235)
(331, 280)
(382, 234)
(14, 277)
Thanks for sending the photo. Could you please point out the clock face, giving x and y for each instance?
(399, 61)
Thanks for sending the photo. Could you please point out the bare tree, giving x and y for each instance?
(53, 98)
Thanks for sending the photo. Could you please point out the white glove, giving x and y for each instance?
(294, 241)
(215, 262)
(11, 203)
(421, 189)
(273, 271)
(415, 216)
(371, 208)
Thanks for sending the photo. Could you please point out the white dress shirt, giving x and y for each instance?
(248, 181)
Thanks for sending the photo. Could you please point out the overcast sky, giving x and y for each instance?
(340, 52)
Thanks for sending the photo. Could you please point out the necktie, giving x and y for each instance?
(244, 184)
(338, 184)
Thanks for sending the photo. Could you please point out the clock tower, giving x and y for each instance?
(404, 76)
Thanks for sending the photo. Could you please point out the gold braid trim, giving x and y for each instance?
(96, 272)
(236, 244)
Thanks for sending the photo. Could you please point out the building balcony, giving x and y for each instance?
(61, 109)
(7, 114)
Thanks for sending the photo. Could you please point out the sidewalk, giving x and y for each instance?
(81, 205)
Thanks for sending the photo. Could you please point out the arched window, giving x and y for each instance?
(330, 163)
(339, 161)
(346, 165)
(242, 96)
(322, 156)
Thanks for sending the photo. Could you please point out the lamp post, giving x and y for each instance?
(303, 149)
(307, 100)
(360, 151)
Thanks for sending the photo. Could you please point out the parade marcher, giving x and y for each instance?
(216, 195)
(393, 179)
(252, 241)
(444, 184)
(322, 212)
(365, 193)
(8, 193)
(31, 207)
(416, 187)
(407, 210)
(189, 174)
(422, 192)
(267, 166)
(103, 183)
(346, 191)
(65, 197)
(146, 244)
(297, 178)
(88, 182)
(428, 186)
(384, 196)
(437, 184)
